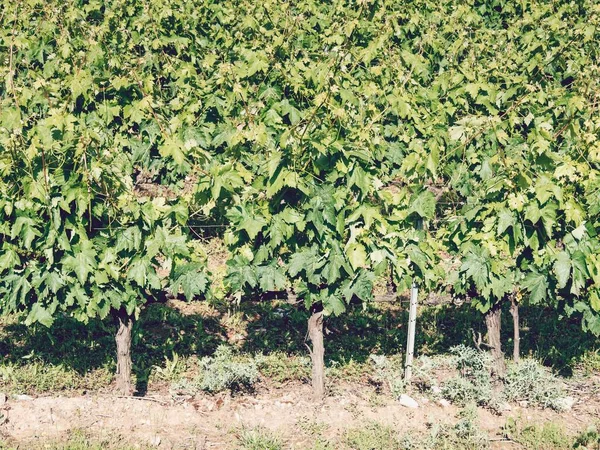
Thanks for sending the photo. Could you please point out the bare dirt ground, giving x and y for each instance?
(211, 422)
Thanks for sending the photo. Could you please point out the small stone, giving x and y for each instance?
(436, 389)
(408, 402)
(443, 403)
(505, 407)
(156, 441)
(23, 398)
(3, 398)
(523, 403)
(566, 403)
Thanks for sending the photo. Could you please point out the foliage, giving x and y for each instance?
(521, 162)
(91, 213)
(325, 207)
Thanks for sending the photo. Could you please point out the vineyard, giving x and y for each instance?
(204, 204)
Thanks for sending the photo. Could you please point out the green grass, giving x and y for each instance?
(38, 378)
(546, 436)
(77, 440)
(550, 436)
(589, 362)
(258, 438)
(372, 436)
(282, 368)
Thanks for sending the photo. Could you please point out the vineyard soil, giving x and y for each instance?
(213, 422)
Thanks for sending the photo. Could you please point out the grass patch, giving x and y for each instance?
(374, 435)
(282, 368)
(546, 436)
(77, 440)
(589, 438)
(39, 377)
(589, 362)
(259, 438)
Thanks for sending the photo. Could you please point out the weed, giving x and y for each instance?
(472, 385)
(464, 435)
(349, 371)
(323, 444)
(424, 369)
(589, 438)
(529, 380)
(311, 427)
(259, 438)
(589, 362)
(225, 370)
(172, 370)
(389, 372)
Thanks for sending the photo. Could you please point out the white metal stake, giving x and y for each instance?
(412, 325)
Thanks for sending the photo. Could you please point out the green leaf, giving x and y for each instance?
(9, 259)
(190, 279)
(595, 300)
(475, 266)
(40, 315)
(423, 204)
(361, 286)
(580, 272)
(173, 147)
(506, 219)
(336, 261)
(333, 304)
(357, 255)
(271, 278)
(141, 271)
(537, 285)
(83, 262)
(562, 269)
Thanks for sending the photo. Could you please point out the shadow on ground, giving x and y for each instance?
(160, 332)
(281, 327)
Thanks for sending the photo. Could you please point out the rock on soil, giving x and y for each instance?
(407, 401)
